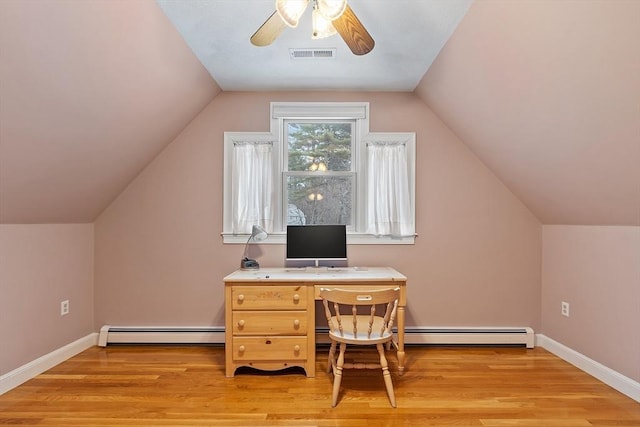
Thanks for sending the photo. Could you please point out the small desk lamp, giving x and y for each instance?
(257, 234)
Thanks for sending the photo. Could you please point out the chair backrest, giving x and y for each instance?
(370, 325)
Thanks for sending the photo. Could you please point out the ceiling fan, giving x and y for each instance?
(328, 16)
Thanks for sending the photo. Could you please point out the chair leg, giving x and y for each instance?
(337, 375)
(386, 375)
(332, 357)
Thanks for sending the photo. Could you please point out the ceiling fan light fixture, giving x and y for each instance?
(322, 27)
(332, 9)
(341, 16)
(291, 10)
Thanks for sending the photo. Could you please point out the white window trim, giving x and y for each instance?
(318, 110)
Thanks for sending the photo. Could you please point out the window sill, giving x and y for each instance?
(352, 239)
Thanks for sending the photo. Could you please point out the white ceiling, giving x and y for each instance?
(409, 34)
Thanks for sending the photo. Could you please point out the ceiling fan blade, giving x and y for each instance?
(353, 33)
(269, 31)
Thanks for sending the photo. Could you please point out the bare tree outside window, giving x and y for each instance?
(320, 177)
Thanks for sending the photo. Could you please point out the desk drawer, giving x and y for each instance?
(269, 348)
(269, 323)
(272, 297)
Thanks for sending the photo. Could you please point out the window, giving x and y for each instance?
(320, 165)
(319, 173)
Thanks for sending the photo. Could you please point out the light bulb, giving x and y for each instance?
(332, 9)
(291, 10)
(322, 27)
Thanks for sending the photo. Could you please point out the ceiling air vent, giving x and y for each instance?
(329, 53)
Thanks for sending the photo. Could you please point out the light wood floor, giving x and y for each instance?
(186, 386)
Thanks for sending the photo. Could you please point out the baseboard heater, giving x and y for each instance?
(458, 336)
(471, 336)
(413, 335)
(160, 335)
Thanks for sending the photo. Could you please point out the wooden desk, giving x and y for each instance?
(270, 318)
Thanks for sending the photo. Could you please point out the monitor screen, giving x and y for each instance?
(316, 244)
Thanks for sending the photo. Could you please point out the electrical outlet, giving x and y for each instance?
(565, 309)
(64, 307)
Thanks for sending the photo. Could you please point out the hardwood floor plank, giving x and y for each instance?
(186, 386)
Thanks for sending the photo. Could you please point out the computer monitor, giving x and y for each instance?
(316, 245)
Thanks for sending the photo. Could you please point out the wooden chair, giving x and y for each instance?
(359, 329)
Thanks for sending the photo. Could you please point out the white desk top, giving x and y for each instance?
(319, 274)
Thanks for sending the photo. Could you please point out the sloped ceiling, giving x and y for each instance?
(547, 94)
(90, 92)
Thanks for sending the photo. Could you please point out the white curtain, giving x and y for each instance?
(388, 196)
(252, 186)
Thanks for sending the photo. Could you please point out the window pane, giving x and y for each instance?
(319, 146)
(319, 200)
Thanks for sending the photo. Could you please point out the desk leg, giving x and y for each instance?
(229, 367)
(310, 364)
(401, 340)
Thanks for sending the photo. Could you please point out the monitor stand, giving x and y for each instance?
(316, 263)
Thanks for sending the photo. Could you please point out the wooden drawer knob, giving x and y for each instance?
(296, 323)
(240, 323)
(296, 348)
(241, 297)
(296, 297)
(241, 349)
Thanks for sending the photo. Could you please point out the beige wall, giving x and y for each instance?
(596, 270)
(481, 258)
(40, 266)
(160, 259)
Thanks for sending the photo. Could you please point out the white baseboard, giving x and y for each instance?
(24, 373)
(607, 375)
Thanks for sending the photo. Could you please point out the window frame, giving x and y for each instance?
(292, 111)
